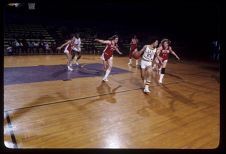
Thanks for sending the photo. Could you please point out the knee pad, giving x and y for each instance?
(163, 70)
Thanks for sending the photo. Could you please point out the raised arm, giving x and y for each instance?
(103, 41)
(172, 52)
(64, 44)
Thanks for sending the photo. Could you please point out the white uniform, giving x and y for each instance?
(147, 57)
(77, 45)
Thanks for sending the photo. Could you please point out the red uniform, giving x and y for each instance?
(69, 47)
(133, 46)
(164, 53)
(108, 51)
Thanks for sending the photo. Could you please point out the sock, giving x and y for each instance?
(144, 81)
(147, 84)
(130, 60)
(161, 77)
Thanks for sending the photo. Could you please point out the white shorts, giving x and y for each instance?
(144, 64)
(77, 49)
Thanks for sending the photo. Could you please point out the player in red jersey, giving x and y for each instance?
(163, 52)
(133, 47)
(107, 56)
(68, 51)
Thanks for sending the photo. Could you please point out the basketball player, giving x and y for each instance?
(68, 51)
(163, 52)
(107, 56)
(133, 47)
(76, 54)
(148, 51)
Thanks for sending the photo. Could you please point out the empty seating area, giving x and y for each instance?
(27, 39)
(33, 39)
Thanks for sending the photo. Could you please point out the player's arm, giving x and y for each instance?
(142, 50)
(172, 52)
(103, 41)
(116, 48)
(64, 44)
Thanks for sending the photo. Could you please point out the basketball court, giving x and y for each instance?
(46, 106)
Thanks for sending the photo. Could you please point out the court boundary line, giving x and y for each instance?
(11, 130)
(75, 99)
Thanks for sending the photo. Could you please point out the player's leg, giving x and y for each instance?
(162, 71)
(130, 57)
(137, 61)
(148, 78)
(143, 71)
(69, 59)
(78, 57)
(109, 63)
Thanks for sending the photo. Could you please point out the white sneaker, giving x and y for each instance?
(105, 80)
(146, 90)
(160, 82)
(69, 68)
(76, 63)
(129, 63)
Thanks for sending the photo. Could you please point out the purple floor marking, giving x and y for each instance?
(19, 75)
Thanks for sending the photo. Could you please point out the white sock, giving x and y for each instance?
(144, 81)
(107, 73)
(146, 86)
(161, 77)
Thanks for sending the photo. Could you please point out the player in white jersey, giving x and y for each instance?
(149, 52)
(76, 54)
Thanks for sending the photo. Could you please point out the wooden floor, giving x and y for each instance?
(86, 113)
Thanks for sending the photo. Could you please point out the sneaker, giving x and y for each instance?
(160, 82)
(146, 90)
(129, 63)
(76, 63)
(69, 68)
(105, 80)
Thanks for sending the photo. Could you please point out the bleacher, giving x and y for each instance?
(29, 32)
(55, 34)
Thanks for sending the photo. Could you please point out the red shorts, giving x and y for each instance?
(107, 56)
(163, 59)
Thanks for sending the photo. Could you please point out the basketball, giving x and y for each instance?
(136, 55)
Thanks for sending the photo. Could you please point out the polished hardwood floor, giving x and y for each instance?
(183, 113)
